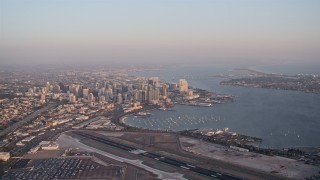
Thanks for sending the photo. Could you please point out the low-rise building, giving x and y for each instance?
(28, 139)
(34, 149)
(4, 156)
(50, 146)
(239, 149)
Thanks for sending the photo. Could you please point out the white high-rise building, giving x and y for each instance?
(47, 87)
(183, 86)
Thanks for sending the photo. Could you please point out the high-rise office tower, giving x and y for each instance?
(43, 98)
(72, 98)
(43, 90)
(102, 99)
(119, 98)
(136, 95)
(91, 97)
(154, 81)
(164, 91)
(150, 94)
(102, 91)
(156, 94)
(62, 87)
(51, 88)
(56, 89)
(85, 93)
(76, 90)
(114, 86)
(173, 86)
(47, 87)
(125, 96)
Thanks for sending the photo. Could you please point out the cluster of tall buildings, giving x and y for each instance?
(149, 91)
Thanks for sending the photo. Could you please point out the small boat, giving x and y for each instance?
(142, 114)
(166, 109)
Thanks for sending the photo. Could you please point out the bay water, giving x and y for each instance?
(281, 118)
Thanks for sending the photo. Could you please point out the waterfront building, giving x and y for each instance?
(153, 94)
(183, 86)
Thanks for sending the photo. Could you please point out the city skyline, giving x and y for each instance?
(54, 32)
(150, 89)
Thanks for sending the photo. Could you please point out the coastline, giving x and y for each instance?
(289, 68)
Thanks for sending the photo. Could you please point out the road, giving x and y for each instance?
(26, 119)
(164, 159)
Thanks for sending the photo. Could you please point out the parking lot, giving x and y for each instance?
(64, 168)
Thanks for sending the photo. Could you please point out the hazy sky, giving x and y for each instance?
(74, 31)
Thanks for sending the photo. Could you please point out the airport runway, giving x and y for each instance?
(164, 159)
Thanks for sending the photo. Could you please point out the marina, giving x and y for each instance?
(173, 123)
